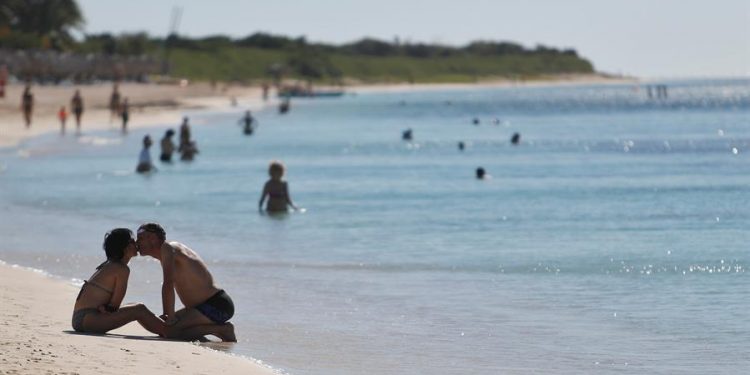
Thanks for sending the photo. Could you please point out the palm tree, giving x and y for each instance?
(48, 19)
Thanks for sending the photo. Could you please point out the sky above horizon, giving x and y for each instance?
(644, 38)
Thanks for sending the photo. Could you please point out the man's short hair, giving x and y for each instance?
(155, 229)
(115, 242)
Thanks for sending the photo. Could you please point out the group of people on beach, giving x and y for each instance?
(207, 308)
(188, 148)
(119, 107)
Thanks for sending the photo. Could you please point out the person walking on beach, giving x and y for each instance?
(277, 190)
(27, 105)
(98, 306)
(144, 160)
(114, 103)
(125, 114)
(76, 105)
(62, 115)
(207, 307)
(167, 147)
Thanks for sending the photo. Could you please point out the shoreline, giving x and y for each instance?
(159, 105)
(151, 105)
(39, 339)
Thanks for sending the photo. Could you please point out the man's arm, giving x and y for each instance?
(167, 285)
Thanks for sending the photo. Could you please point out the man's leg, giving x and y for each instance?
(192, 325)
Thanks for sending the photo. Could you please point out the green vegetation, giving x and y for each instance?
(46, 25)
(38, 23)
(368, 60)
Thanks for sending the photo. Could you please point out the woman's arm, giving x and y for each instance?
(289, 197)
(263, 197)
(121, 287)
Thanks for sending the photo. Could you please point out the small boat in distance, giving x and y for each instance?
(308, 92)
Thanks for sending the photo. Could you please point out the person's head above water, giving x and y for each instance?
(480, 173)
(150, 238)
(276, 169)
(116, 244)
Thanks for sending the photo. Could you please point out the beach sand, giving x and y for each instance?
(36, 338)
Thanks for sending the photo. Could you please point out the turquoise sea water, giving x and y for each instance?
(613, 239)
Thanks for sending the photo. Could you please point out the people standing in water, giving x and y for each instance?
(184, 132)
(277, 190)
(27, 105)
(188, 148)
(515, 139)
(144, 159)
(167, 147)
(249, 123)
(125, 114)
(98, 306)
(62, 115)
(188, 151)
(114, 103)
(76, 106)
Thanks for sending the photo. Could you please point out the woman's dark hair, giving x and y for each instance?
(115, 243)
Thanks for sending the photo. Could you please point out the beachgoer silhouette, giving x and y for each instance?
(188, 151)
(27, 105)
(276, 189)
(207, 307)
(62, 115)
(475, 121)
(97, 308)
(461, 146)
(285, 105)
(265, 90)
(114, 103)
(480, 173)
(167, 146)
(515, 139)
(76, 106)
(249, 123)
(125, 114)
(144, 160)
(407, 135)
(184, 133)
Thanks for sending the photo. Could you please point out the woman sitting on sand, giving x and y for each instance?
(97, 308)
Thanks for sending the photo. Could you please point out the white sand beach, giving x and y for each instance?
(151, 104)
(37, 338)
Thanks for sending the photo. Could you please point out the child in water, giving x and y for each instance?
(277, 190)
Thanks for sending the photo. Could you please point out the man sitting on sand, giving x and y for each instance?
(207, 308)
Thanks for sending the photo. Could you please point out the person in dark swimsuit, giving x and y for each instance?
(277, 190)
(98, 305)
(76, 104)
(27, 105)
(207, 307)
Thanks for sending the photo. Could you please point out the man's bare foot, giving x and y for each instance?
(226, 333)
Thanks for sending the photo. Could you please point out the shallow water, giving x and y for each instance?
(613, 239)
